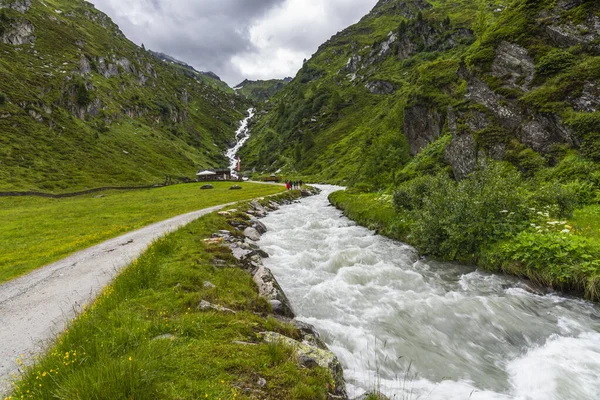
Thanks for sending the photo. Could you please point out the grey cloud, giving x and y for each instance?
(209, 33)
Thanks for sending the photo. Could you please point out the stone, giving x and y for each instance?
(380, 87)
(421, 127)
(205, 305)
(262, 382)
(19, 33)
(166, 336)
(269, 288)
(259, 226)
(514, 65)
(461, 153)
(252, 234)
(235, 187)
(589, 100)
(207, 187)
(208, 285)
(313, 356)
(18, 5)
(543, 131)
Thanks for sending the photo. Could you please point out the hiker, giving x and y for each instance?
(300, 183)
(287, 185)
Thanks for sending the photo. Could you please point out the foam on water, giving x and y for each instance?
(424, 329)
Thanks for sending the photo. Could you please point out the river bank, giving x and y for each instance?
(187, 319)
(552, 253)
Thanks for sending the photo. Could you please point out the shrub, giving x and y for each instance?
(454, 220)
(2, 98)
(553, 62)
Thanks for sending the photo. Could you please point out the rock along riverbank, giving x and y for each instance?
(310, 350)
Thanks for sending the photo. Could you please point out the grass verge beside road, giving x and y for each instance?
(146, 338)
(37, 231)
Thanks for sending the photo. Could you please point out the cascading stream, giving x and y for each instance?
(241, 136)
(420, 329)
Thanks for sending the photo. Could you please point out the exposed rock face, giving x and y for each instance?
(18, 5)
(568, 34)
(589, 100)
(513, 64)
(380, 87)
(311, 356)
(19, 33)
(507, 113)
(461, 153)
(545, 130)
(84, 65)
(106, 68)
(421, 127)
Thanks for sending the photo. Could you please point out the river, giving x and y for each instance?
(420, 329)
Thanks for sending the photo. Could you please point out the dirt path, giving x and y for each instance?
(36, 307)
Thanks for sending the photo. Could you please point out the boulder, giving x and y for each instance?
(259, 226)
(19, 33)
(205, 305)
(252, 234)
(269, 288)
(235, 187)
(311, 357)
(207, 187)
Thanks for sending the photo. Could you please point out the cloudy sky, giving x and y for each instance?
(236, 39)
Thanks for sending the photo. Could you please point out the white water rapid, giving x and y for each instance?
(419, 329)
(241, 136)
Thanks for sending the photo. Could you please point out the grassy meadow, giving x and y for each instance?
(36, 231)
(146, 338)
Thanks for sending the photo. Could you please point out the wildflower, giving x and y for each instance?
(504, 211)
(565, 231)
(130, 359)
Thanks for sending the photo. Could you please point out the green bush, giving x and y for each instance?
(553, 62)
(454, 220)
(2, 98)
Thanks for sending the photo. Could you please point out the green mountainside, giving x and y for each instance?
(82, 106)
(467, 128)
(259, 91)
(466, 80)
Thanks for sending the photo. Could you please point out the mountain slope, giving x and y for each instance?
(82, 106)
(260, 91)
(466, 79)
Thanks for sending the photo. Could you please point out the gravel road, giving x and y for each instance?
(36, 307)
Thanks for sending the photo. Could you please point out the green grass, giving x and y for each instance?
(587, 221)
(113, 350)
(37, 231)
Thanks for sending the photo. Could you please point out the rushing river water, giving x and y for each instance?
(419, 329)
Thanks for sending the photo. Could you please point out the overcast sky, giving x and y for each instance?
(236, 39)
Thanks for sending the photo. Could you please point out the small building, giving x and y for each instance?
(221, 174)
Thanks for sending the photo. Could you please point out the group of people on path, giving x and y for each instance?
(293, 185)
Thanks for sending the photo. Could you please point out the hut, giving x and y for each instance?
(214, 175)
(205, 176)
